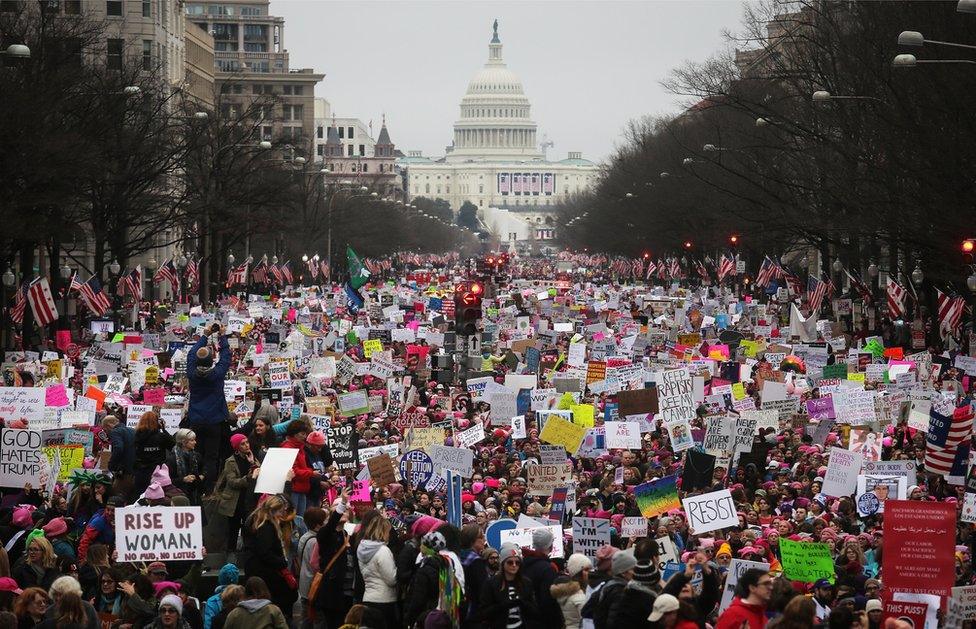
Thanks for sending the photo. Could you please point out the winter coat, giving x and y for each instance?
(632, 607)
(475, 577)
(538, 569)
(152, 446)
(570, 597)
(257, 613)
(237, 481)
(207, 403)
(183, 463)
(302, 481)
(495, 603)
(265, 558)
(706, 601)
(27, 577)
(740, 612)
(123, 459)
(423, 591)
(379, 572)
(329, 539)
(603, 600)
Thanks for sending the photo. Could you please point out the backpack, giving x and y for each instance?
(601, 610)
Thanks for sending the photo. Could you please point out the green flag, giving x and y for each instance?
(358, 275)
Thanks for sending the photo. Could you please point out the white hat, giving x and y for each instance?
(663, 604)
(576, 563)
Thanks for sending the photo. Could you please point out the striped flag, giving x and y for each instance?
(278, 277)
(131, 283)
(237, 275)
(326, 275)
(702, 269)
(313, 267)
(674, 269)
(767, 271)
(896, 298)
(20, 304)
(860, 287)
(726, 266)
(651, 268)
(816, 291)
(42, 301)
(286, 272)
(950, 312)
(793, 281)
(939, 458)
(167, 272)
(192, 275)
(259, 274)
(831, 289)
(92, 294)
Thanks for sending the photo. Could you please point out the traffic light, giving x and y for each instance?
(467, 307)
(968, 249)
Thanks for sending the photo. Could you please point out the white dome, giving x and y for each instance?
(494, 79)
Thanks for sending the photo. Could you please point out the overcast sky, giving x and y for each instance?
(587, 67)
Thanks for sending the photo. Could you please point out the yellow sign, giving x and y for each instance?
(72, 458)
(372, 345)
(152, 374)
(583, 414)
(53, 368)
(566, 402)
(749, 348)
(738, 391)
(689, 340)
(560, 432)
(857, 376)
(421, 438)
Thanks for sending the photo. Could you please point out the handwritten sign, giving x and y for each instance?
(21, 457)
(558, 431)
(711, 511)
(623, 435)
(158, 533)
(460, 460)
(807, 561)
(25, 403)
(676, 397)
(543, 479)
(589, 534)
(842, 470)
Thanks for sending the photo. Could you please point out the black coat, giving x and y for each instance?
(632, 607)
(423, 591)
(495, 603)
(265, 558)
(123, 457)
(538, 569)
(152, 447)
(329, 539)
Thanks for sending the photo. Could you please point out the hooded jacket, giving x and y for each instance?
(538, 569)
(228, 575)
(207, 403)
(379, 572)
(256, 613)
(570, 597)
(740, 612)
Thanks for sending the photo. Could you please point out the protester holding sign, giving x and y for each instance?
(207, 411)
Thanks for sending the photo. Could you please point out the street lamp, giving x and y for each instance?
(131, 90)
(630, 195)
(823, 96)
(114, 267)
(917, 276)
(873, 269)
(910, 61)
(65, 275)
(837, 266)
(762, 122)
(264, 145)
(914, 38)
(181, 265)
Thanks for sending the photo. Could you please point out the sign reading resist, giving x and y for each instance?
(710, 512)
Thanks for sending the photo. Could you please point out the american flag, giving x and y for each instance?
(793, 281)
(939, 459)
(674, 269)
(20, 304)
(816, 291)
(638, 267)
(767, 271)
(286, 272)
(950, 312)
(651, 267)
(860, 287)
(325, 271)
(662, 269)
(42, 301)
(726, 265)
(131, 283)
(192, 275)
(167, 272)
(259, 274)
(313, 267)
(92, 294)
(831, 289)
(702, 269)
(276, 273)
(896, 298)
(237, 275)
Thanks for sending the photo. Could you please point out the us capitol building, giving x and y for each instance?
(495, 160)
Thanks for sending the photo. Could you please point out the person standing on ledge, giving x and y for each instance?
(207, 412)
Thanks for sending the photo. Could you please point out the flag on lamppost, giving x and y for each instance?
(42, 301)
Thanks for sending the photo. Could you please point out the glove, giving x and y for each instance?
(289, 578)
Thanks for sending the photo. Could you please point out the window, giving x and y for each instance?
(349, 149)
(147, 54)
(342, 130)
(255, 47)
(481, 189)
(362, 150)
(427, 191)
(319, 133)
(258, 66)
(113, 8)
(351, 136)
(225, 32)
(266, 132)
(225, 46)
(255, 32)
(365, 168)
(447, 189)
(250, 10)
(146, 8)
(196, 9)
(114, 56)
(320, 150)
(291, 112)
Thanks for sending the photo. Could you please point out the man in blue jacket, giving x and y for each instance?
(207, 411)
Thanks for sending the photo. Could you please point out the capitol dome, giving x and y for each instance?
(495, 122)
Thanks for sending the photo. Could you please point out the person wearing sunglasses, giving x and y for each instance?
(508, 600)
(748, 608)
(170, 614)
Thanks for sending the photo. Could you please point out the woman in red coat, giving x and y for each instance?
(304, 475)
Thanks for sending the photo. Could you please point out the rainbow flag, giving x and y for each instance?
(658, 496)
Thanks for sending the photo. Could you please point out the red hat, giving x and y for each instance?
(315, 438)
(235, 440)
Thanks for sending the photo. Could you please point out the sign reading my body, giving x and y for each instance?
(160, 539)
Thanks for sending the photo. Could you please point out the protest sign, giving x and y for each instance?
(657, 496)
(681, 437)
(522, 537)
(504, 406)
(718, 436)
(551, 455)
(416, 468)
(68, 457)
(26, 403)
(354, 403)
(744, 434)
(919, 546)
(623, 435)
(634, 527)
(873, 490)
(343, 444)
(21, 457)
(711, 511)
(470, 437)
(278, 376)
(558, 431)
(381, 469)
(145, 534)
(821, 408)
(736, 568)
(893, 468)
(911, 614)
(589, 534)
(675, 394)
(842, 470)
(274, 470)
(460, 460)
(964, 600)
(638, 401)
(806, 561)
(518, 427)
(544, 479)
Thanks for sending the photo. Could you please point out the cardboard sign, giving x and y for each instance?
(657, 496)
(589, 534)
(381, 469)
(522, 537)
(460, 460)
(711, 511)
(675, 393)
(634, 527)
(144, 534)
(560, 432)
(470, 437)
(274, 470)
(736, 568)
(623, 435)
(343, 444)
(842, 470)
(354, 403)
(25, 403)
(544, 479)
(807, 561)
(21, 458)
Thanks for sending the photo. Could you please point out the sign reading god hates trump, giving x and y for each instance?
(158, 533)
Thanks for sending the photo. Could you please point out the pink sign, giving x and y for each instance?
(56, 395)
(62, 339)
(155, 396)
(360, 491)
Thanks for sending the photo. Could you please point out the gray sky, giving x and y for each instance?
(587, 67)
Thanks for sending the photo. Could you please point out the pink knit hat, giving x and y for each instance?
(424, 524)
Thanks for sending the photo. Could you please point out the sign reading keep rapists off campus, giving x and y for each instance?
(158, 533)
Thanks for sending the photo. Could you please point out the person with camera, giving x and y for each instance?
(207, 411)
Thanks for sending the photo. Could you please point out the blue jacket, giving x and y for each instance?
(207, 403)
(123, 441)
